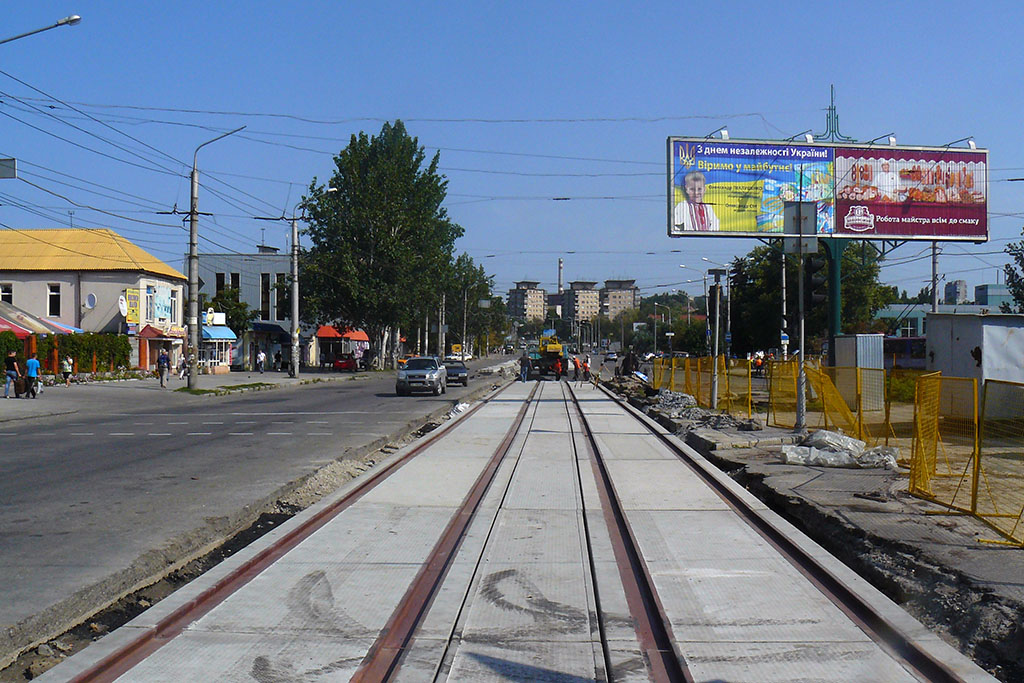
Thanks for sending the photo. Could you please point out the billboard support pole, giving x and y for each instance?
(835, 248)
(935, 277)
(785, 326)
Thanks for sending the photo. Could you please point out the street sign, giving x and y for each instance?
(728, 338)
(670, 334)
(785, 338)
(456, 348)
(8, 168)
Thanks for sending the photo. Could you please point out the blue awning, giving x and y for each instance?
(218, 333)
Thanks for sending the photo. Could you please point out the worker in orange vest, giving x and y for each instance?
(558, 368)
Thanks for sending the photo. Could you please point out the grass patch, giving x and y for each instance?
(224, 391)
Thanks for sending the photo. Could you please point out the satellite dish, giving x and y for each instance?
(90, 301)
(122, 305)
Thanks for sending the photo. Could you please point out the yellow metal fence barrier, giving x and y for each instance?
(693, 376)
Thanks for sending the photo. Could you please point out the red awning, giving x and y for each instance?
(19, 331)
(328, 332)
(150, 332)
(355, 335)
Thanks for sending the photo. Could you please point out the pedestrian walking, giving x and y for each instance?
(558, 369)
(586, 369)
(575, 368)
(277, 361)
(261, 360)
(183, 365)
(524, 367)
(163, 367)
(66, 367)
(13, 371)
(31, 376)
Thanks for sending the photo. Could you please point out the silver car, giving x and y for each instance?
(419, 374)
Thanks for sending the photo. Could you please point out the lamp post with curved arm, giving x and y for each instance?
(193, 266)
(66, 21)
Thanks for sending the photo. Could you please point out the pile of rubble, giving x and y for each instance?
(679, 406)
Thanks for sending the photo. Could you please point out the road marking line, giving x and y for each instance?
(282, 422)
(213, 423)
(121, 434)
(240, 433)
(247, 422)
(83, 433)
(177, 423)
(199, 434)
(321, 433)
(279, 433)
(317, 422)
(159, 434)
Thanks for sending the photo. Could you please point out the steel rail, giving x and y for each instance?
(152, 639)
(383, 660)
(885, 634)
(652, 625)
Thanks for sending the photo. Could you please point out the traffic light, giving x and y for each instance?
(814, 281)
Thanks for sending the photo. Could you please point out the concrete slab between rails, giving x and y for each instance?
(714, 440)
(148, 623)
(154, 564)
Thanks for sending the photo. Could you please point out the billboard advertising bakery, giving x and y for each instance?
(740, 188)
(911, 193)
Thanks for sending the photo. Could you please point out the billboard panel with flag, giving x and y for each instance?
(729, 188)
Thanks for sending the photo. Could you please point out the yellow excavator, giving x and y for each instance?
(549, 349)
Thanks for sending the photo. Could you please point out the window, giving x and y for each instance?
(7, 293)
(174, 307)
(53, 302)
(264, 296)
(220, 283)
(150, 303)
(284, 297)
(236, 282)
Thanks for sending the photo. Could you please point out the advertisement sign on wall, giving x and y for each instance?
(740, 188)
(131, 296)
(162, 303)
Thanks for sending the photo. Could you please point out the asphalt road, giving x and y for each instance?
(140, 472)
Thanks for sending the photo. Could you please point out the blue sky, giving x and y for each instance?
(525, 102)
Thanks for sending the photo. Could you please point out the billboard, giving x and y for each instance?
(740, 189)
(911, 193)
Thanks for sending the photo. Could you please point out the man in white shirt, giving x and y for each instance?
(888, 184)
(692, 214)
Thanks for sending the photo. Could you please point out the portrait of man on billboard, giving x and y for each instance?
(693, 214)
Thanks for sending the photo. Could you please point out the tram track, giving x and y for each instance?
(888, 636)
(658, 647)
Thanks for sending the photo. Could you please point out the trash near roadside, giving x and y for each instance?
(831, 449)
(459, 408)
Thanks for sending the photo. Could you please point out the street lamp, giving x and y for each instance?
(707, 309)
(66, 21)
(193, 266)
(717, 273)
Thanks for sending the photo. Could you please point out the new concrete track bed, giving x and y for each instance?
(537, 587)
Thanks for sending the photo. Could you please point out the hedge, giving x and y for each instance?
(110, 349)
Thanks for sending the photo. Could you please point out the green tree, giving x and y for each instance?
(228, 301)
(1014, 279)
(757, 306)
(381, 240)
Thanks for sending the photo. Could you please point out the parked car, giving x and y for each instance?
(421, 373)
(345, 361)
(457, 371)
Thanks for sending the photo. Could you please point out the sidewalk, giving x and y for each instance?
(62, 400)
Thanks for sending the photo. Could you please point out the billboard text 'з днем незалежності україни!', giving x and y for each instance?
(740, 188)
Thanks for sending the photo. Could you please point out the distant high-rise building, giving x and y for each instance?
(956, 292)
(618, 296)
(581, 302)
(526, 301)
(993, 296)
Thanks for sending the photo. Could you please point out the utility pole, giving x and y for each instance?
(193, 266)
(935, 277)
(784, 334)
(718, 273)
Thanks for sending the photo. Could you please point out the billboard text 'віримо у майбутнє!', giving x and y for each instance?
(740, 188)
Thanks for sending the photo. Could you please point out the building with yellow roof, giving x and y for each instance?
(95, 280)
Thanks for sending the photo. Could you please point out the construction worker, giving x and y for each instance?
(575, 368)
